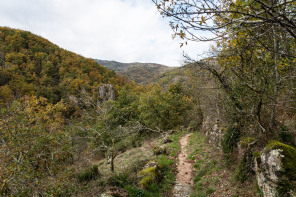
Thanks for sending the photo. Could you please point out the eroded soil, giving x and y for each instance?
(184, 178)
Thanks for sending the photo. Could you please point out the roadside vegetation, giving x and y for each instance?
(213, 176)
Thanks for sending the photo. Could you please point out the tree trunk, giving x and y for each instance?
(112, 164)
(276, 78)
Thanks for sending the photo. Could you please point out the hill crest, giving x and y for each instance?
(143, 73)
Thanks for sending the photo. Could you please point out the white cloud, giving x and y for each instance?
(121, 30)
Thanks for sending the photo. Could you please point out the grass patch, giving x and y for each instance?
(129, 164)
(174, 146)
(88, 174)
(168, 176)
(210, 190)
(211, 173)
(166, 166)
(204, 165)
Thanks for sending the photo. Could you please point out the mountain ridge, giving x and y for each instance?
(143, 73)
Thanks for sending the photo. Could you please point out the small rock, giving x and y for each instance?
(167, 139)
(106, 195)
(158, 150)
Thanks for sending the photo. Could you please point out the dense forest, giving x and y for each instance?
(71, 127)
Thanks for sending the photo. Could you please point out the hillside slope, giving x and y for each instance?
(143, 73)
(32, 65)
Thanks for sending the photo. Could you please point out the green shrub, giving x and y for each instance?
(120, 179)
(129, 142)
(134, 191)
(89, 174)
(210, 190)
(287, 138)
(245, 168)
(229, 141)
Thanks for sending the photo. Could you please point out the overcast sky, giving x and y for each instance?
(120, 30)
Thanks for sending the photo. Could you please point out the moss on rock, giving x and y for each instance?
(289, 159)
(148, 176)
(278, 169)
(158, 150)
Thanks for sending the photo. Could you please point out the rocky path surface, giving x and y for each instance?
(184, 171)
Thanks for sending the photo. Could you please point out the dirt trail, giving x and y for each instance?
(184, 171)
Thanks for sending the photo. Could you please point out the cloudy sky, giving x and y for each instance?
(121, 30)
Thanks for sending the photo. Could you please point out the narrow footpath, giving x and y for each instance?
(184, 179)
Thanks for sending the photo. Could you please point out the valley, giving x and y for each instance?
(223, 124)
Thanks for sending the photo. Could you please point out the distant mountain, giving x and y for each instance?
(143, 73)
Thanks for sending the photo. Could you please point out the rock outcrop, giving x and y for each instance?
(276, 170)
(214, 132)
(73, 100)
(106, 92)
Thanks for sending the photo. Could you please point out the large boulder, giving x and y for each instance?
(149, 174)
(276, 170)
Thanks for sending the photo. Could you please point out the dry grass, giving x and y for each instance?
(126, 159)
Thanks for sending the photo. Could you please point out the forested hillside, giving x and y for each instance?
(31, 65)
(143, 73)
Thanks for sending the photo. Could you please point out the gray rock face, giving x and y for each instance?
(215, 134)
(73, 100)
(272, 176)
(106, 92)
(267, 172)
